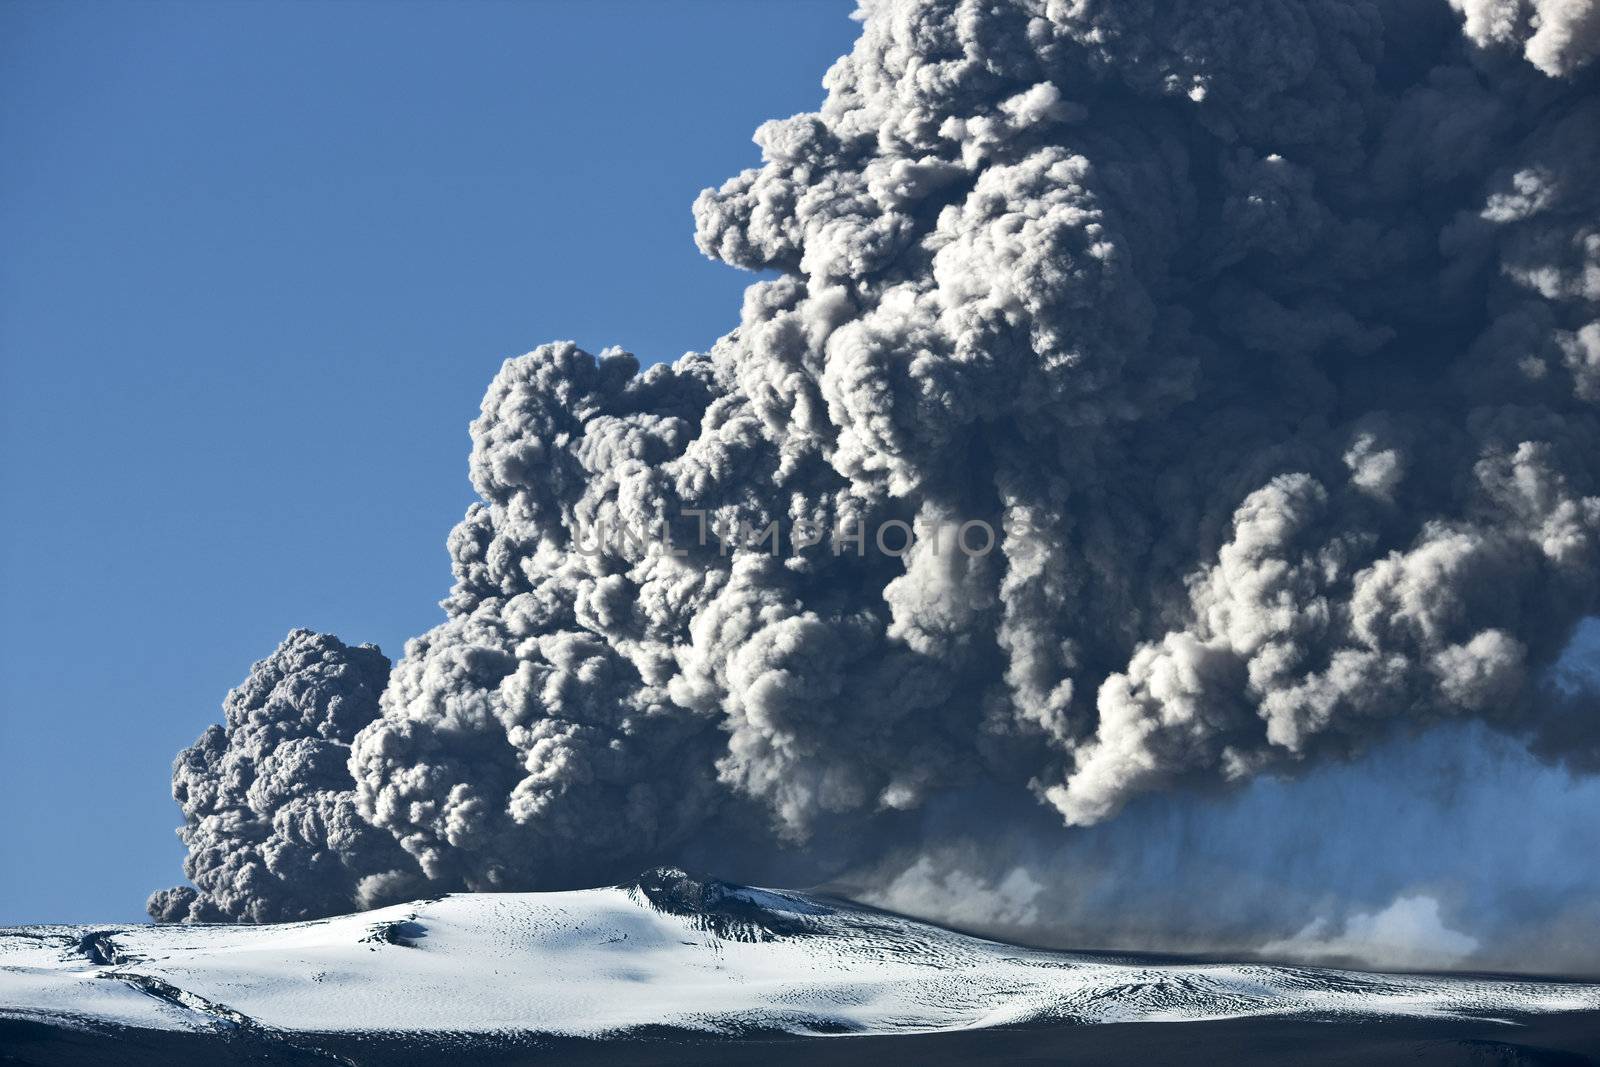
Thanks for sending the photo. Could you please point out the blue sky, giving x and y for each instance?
(261, 260)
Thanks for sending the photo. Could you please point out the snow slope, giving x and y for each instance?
(668, 951)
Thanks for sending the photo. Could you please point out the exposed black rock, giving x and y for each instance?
(737, 913)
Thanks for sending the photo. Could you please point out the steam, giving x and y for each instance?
(964, 899)
(1407, 933)
(1265, 335)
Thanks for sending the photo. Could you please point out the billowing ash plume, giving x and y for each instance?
(1264, 334)
(1557, 36)
(268, 803)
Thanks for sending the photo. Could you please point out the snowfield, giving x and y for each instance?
(668, 951)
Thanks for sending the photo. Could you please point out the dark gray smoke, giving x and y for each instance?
(268, 803)
(1264, 331)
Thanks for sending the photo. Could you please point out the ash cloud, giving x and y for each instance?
(269, 809)
(1482, 841)
(1275, 324)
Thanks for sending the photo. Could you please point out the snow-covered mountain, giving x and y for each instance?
(666, 951)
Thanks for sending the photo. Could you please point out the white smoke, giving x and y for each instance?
(1407, 933)
(1557, 36)
(962, 898)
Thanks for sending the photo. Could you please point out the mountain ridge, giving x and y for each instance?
(673, 952)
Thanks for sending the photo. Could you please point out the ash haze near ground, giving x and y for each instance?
(1264, 333)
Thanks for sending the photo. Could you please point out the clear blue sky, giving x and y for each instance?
(258, 262)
